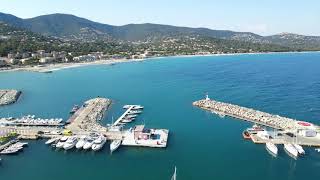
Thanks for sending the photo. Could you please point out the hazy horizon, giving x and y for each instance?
(263, 18)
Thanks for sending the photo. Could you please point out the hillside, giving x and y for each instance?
(76, 28)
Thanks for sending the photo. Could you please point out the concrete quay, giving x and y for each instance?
(9, 96)
(87, 117)
(255, 116)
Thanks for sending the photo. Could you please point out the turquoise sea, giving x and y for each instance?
(201, 145)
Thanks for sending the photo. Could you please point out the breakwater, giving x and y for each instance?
(252, 115)
(9, 96)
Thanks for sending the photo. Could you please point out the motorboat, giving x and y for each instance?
(98, 143)
(74, 109)
(127, 120)
(272, 148)
(291, 150)
(9, 151)
(299, 149)
(318, 149)
(136, 107)
(126, 106)
(62, 141)
(81, 142)
(52, 140)
(246, 135)
(70, 143)
(134, 112)
(88, 143)
(131, 116)
(115, 145)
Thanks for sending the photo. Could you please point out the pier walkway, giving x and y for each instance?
(122, 116)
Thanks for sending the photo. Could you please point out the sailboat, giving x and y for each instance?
(174, 176)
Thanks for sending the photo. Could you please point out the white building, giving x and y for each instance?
(47, 60)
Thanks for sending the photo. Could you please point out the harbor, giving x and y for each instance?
(271, 130)
(83, 130)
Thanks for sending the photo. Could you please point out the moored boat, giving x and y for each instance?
(88, 143)
(52, 140)
(134, 112)
(291, 150)
(61, 142)
(272, 148)
(115, 145)
(81, 142)
(74, 109)
(246, 135)
(299, 149)
(70, 143)
(98, 143)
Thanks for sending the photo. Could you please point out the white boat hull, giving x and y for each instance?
(291, 150)
(299, 149)
(87, 145)
(59, 145)
(272, 149)
(68, 146)
(115, 145)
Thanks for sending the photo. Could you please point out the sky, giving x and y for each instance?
(264, 17)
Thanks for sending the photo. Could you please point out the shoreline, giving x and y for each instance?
(60, 66)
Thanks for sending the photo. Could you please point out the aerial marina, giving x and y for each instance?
(82, 130)
(293, 134)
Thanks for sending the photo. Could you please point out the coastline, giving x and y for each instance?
(59, 66)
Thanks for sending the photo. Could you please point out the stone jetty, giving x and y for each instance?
(9, 96)
(87, 117)
(255, 116)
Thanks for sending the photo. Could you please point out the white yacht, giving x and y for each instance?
(115, 145)
(127, 120)
(88, 143)
(52, 140)
(136, 107)
(299, 149)
(62, 141)
(131, 116)
(291, 150)
(126, 106)
(98, 143)
(134, 112)
(70, 143)
(318, 149)
(272, 148)
(81, 142)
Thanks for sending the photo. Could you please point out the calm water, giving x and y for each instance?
(201, 145)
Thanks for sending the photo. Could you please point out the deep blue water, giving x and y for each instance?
(201, 145)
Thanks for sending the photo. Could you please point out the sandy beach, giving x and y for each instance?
(59, 66)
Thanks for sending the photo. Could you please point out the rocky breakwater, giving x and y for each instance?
(248, 114)
(88, 116)
(9, 96)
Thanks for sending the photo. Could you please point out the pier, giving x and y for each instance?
(122, 116)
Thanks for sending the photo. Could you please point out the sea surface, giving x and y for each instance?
(202, 145)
